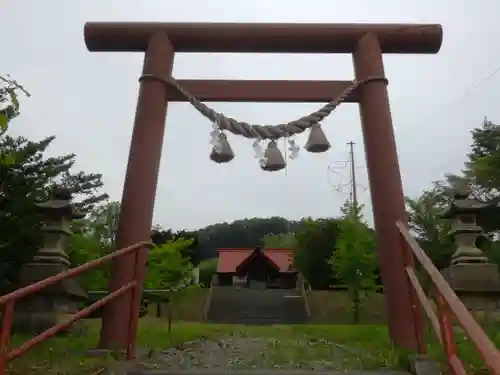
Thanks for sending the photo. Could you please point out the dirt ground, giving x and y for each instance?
(254, 353)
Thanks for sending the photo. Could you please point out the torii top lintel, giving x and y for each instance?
(263, 38)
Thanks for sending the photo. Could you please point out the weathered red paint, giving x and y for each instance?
(261, 91)
(367, 43)
(262, 37)
(139, 189)
(385, 186)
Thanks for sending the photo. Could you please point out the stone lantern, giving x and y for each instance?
(49, 306)
(473, 278)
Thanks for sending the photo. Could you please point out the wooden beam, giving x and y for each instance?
(261, 91)
(262, 37)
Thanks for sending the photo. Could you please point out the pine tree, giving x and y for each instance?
(9, 109)
(26, 181)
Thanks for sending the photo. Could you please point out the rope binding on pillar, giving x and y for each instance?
(271, 159)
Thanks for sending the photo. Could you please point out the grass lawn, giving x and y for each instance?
(334, 307)
(351, 347)
(65, 354)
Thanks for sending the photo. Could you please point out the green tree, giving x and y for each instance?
(483, 171)
(28, 180)
(280, 240)
(102, 222)
(191, 252)
(166, 266)
(315, 243)
(9, 109)
(82, 248)
(245, 233)
(207, 270)
(352, 210)
(429, 228)
(354, 261)
(93, 238)
(484, 159)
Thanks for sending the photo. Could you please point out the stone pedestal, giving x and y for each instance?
(474, 279)
(477, 285)
(56, 303)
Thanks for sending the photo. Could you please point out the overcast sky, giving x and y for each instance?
(88, 100)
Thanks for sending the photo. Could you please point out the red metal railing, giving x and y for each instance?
(448, 305)
(8, 301)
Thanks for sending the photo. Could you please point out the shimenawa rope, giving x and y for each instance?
(265, 131)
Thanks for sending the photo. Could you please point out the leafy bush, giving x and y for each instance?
(166, 267)
(207, 270)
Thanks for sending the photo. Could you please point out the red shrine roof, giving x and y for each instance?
(229, 259)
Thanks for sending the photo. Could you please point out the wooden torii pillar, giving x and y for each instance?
(366, 43)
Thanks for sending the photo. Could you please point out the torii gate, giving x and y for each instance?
(366, 43)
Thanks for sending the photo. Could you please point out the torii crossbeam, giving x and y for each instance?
(366, 43)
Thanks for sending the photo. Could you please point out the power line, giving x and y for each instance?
(466, 93)
(344, 179)
(343, 164)
(333, 168)
(354, 195)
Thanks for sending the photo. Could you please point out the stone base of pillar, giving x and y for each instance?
(477, 284)
(473, 276)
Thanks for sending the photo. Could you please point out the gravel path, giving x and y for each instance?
(252, 353)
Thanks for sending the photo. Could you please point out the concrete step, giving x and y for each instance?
(271, 293)
(252, 319)
(251, 306)
(256, 320)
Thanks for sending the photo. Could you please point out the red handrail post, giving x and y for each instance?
(8, 314)
(450, 348)
(418, 324)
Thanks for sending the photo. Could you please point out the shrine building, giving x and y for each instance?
(256, 268)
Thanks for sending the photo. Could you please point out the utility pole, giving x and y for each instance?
(354, 196)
